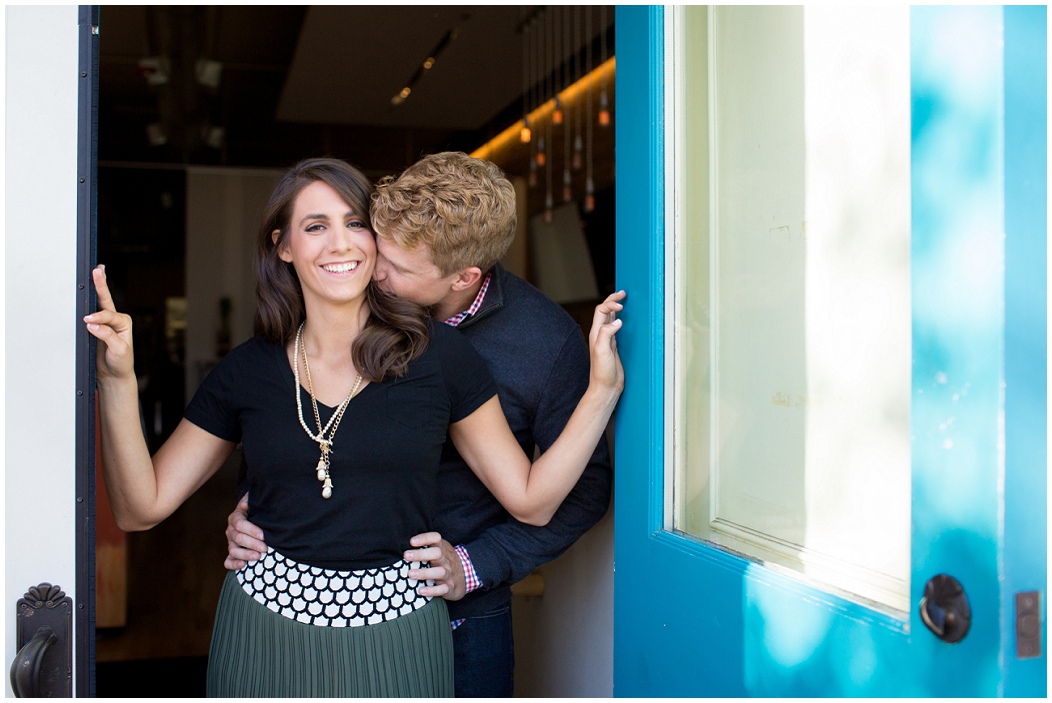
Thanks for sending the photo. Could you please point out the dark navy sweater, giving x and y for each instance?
(539, 359)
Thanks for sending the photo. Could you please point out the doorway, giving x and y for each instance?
(200, 110)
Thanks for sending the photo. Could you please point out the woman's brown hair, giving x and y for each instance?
(396, 331)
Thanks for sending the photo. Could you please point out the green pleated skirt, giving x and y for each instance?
(261, 654)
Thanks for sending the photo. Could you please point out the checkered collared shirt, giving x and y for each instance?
(474, 308)
(471, 578)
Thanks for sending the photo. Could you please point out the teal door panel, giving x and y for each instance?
(1026, 314)
(692, 619)
(956, 267)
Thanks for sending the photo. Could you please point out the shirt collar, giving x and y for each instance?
(455, 320)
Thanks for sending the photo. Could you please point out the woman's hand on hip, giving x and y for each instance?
(446, 570)
(244, 541)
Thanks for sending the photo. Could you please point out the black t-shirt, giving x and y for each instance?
(384, 458)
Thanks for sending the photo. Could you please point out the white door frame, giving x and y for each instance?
(49, 388)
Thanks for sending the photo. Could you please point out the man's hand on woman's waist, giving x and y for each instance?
(245, 544)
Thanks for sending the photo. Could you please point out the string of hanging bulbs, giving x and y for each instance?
(558, 87)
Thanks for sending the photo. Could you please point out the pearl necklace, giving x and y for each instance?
(324, 444)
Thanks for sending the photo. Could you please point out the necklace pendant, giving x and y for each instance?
(322, 468)
(325, 445)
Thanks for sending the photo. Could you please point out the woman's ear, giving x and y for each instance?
(283, 251)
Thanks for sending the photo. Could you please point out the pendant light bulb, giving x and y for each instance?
(604, 110)
(557, 114)
(577, 149)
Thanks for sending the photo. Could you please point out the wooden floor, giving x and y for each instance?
(175, 572)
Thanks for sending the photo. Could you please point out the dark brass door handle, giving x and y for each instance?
(25, 669)
(43, 667)
(944, 608)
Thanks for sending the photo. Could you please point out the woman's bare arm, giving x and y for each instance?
(532, 493)
(143, 491)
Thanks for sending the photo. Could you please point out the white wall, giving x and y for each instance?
(562, 264)
(223, 209)
(564, 640)
(40, 320)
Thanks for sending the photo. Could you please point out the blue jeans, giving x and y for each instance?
(484, 656)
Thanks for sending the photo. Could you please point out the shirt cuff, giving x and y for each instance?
(471, 579)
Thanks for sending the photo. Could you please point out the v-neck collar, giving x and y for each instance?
(290, 378)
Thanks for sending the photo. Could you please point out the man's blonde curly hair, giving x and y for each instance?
(462, 208)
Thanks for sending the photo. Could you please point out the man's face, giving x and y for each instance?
(410, 274)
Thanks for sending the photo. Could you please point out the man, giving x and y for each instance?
(441, 228)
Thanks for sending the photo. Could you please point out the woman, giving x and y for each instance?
(341, 471)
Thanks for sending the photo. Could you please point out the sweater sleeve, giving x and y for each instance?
(510, 551)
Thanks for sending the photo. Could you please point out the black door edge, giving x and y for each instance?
(87, 160)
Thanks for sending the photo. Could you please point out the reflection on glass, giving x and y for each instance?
(792, 324)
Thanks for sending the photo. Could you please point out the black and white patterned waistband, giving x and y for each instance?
(331, 598)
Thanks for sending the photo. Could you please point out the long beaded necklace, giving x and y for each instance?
(324, 444)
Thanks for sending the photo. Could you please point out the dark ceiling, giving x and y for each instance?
(303, 81)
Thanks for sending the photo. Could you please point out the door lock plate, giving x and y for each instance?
(1028, 624)
(45, 606)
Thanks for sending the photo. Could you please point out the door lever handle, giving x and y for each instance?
(25, 669)
(43, 667)
(944, 608)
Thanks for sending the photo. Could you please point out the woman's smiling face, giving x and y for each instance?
(329, 245)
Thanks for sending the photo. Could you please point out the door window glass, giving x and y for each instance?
(789, 138)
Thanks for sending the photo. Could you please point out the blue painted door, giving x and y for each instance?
(692, 619)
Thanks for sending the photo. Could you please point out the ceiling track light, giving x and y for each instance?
(426, 65)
